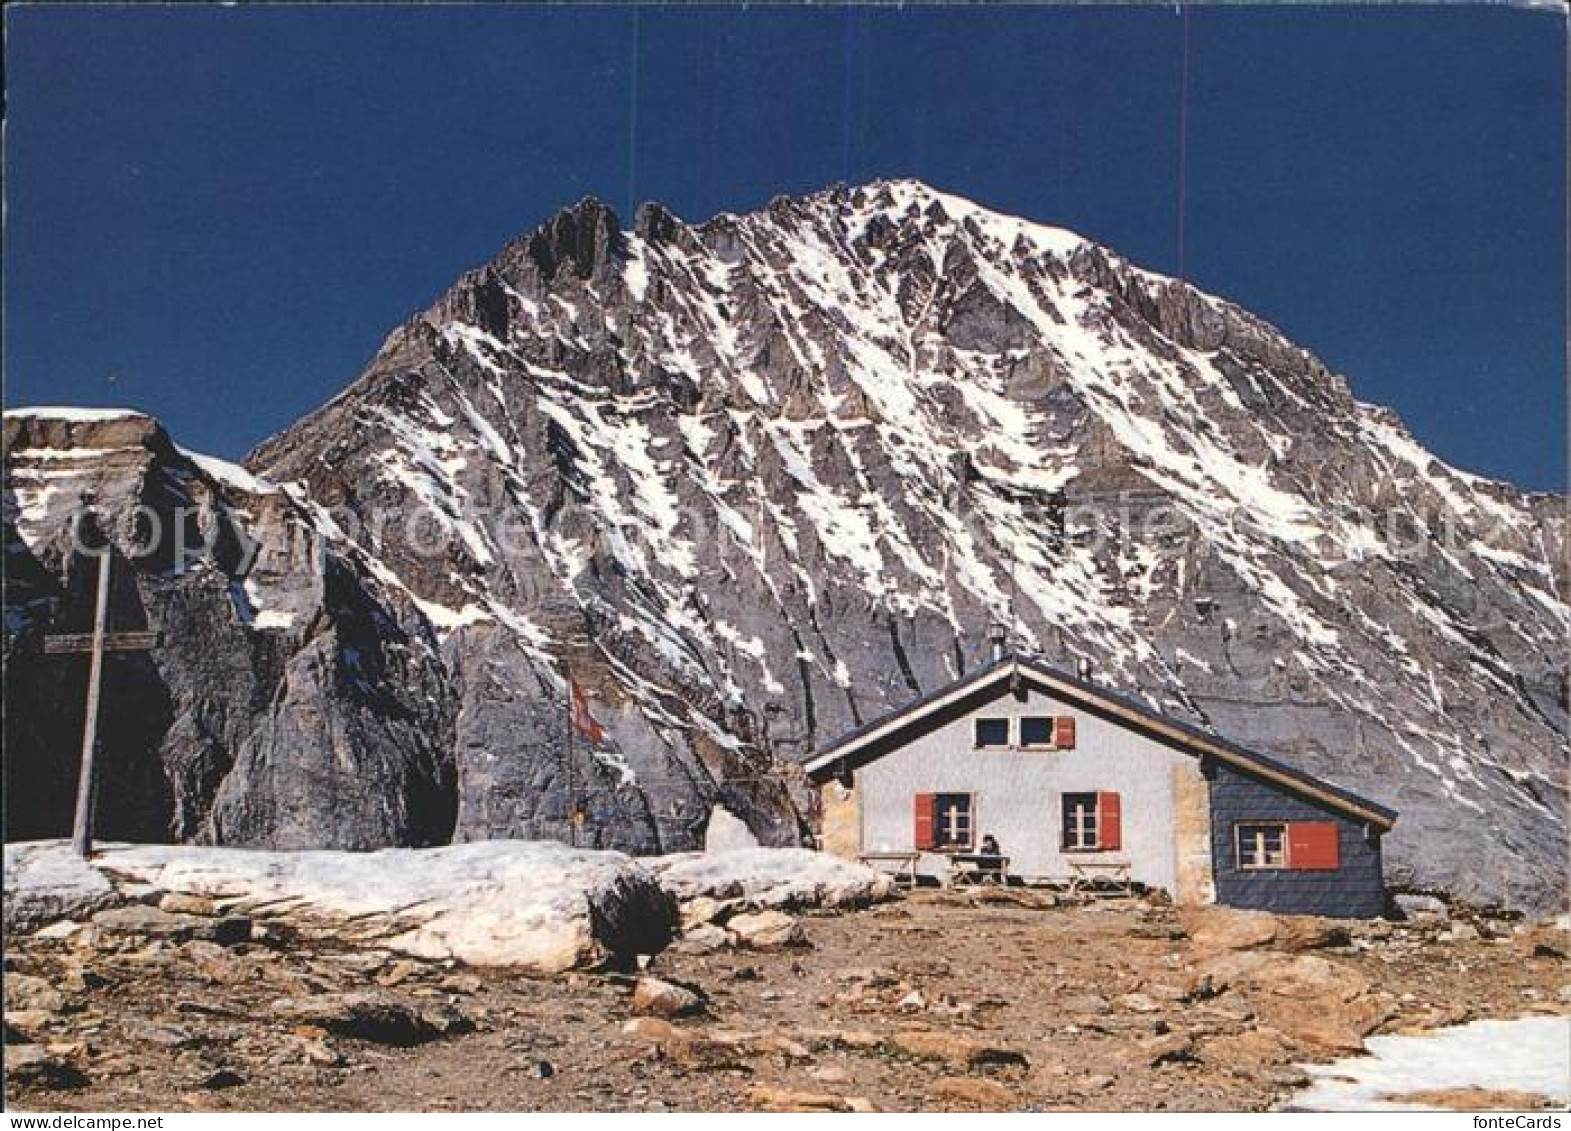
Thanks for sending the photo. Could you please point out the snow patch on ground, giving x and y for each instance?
(1530, 1054)
(538, 906)
(46, 881)
(771, 877)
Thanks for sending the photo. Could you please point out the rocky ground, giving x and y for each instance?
(1001, 1000)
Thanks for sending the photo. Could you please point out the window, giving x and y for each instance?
(954, 821)
(1080, 822)
(1300, 846)
(1036, 731)
(992, 732)
(1262, 845)
(944, 821)
(1093, 822)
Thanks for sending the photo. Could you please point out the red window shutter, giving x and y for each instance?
(1064, 732)
(1109, 822)
(1312, 846)
(926, 820)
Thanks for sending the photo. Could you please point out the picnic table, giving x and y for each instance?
(968, 869)
(1093, 873)
(901, 865)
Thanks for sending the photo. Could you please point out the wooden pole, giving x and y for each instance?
(86, 784)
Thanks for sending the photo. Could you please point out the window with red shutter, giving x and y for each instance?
(1064, 732)
(1312, 846)
(1109, 822)
(926, 822)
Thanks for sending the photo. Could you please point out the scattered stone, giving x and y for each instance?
(1139, 1003)
(29, 993)
(155, 923)
(1414, 906)
(367, 1017)
(1093, 1005)
(64, 929)
(1461, 932)
(703, 938)
(702, 909)
(162, 1035)
(650, 1029)
(185, 903)
(21, 1022)
(830, 1074)
(1473, 1099)
(767, 930)
(1168, 1048)
(972, 1092)
(462, 984)
(398, 972)
(776, 1045)
(223, 1078)
(32, 1066)
(766, 1098)
(665, 999)
(913, 1002)
(951, 1048)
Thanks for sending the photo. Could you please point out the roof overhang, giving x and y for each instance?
(861, 745)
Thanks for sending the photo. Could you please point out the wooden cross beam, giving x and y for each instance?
(96, 643)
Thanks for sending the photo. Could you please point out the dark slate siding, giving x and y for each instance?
(1355, 891)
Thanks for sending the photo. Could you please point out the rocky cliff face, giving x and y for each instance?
(754, 481)
(291, 701)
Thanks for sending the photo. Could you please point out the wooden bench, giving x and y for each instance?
(902, 865)
(1091, 874)
(968, 869)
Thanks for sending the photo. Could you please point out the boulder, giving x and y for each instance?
(371, 1017)
(764, 1097)
(665, 999)
(952, 1048)
(971, 1092)
(1299, 975)
(1414, 906)
(767, 930)
(705, 938)
(1214, 929)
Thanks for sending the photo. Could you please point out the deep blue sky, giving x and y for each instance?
(217, 214)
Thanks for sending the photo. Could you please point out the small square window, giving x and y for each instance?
(992, 732)
(1036, 731)
(1262, 845)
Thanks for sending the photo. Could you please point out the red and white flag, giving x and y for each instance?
(583, 722)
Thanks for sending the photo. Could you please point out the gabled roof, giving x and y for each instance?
(871, 740)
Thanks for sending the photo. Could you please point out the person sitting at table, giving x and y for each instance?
(990, 846)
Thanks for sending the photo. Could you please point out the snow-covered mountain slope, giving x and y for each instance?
(753, 481)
